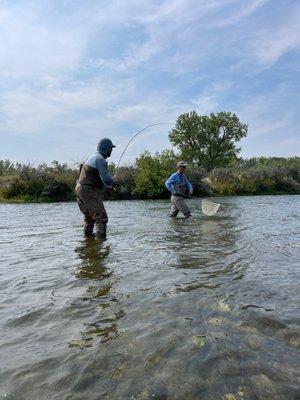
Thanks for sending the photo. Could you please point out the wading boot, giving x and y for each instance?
(100, 231)
(88, 229)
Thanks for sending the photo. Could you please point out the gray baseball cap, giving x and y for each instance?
(181, 164)
(105, 144)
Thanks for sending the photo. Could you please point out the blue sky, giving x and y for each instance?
(75, 71)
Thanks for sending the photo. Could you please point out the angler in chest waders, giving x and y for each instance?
(180, 187)
(93, 180)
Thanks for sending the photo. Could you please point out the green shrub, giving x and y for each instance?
(146, 179)
(152, 172)
(57, 191)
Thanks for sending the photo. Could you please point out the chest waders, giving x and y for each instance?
(89, 195)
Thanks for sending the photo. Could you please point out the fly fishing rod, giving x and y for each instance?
(208, 207)
(135, 135)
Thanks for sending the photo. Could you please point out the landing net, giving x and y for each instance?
(209, 207)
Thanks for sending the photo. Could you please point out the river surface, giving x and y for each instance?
(198, 308)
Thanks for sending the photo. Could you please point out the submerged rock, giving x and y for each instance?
(295, 342)
(224, 307)
(199, 340)
(230, 396)
(264, 386)
(215, 321)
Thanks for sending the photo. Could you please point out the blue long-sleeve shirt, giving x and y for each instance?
(99, 162)
(178, 184)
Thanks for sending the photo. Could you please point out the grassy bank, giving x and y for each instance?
(145, 179)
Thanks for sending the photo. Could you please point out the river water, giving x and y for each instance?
(199, 308)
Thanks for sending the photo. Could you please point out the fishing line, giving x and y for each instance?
(208, 208)
(136, 134)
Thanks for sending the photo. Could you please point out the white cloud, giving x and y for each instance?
(274, 43)
(95, 67)
(240, 10)
(33, 111)
(265, 117)
(206, 103)
(263, 45)
(263, 127)
(32, 50)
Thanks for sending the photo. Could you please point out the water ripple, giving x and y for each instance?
(170, 309)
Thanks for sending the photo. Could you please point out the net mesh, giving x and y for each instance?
(209, 207)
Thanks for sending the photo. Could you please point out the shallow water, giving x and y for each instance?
(199, 308)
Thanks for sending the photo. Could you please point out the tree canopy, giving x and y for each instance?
(208, 141)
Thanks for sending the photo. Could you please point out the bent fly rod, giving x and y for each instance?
(135, 135)
(208, 207)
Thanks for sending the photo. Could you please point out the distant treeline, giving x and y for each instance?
(145, 178)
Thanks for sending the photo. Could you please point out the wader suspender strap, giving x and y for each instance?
(183, 180)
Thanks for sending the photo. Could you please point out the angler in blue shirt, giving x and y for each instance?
(180, 187)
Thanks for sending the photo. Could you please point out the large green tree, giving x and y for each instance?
(208, 141)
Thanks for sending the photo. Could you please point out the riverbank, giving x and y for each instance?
(108, 198)
(145, 180)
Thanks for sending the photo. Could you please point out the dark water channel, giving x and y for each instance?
(199, 308)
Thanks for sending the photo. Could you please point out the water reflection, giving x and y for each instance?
(93, 255)
(212, 247)
(102, 322)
